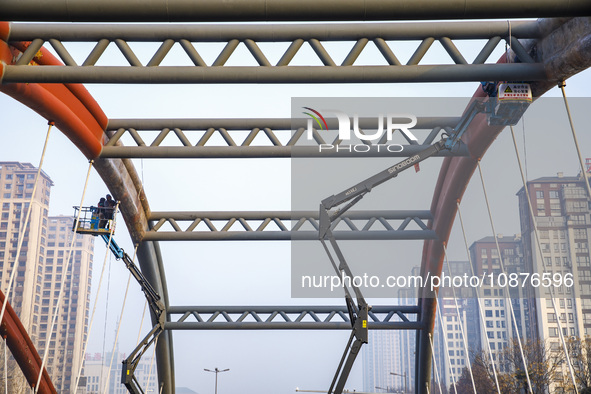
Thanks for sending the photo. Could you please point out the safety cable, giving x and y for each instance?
(539, 245)
(464, 339)
(507, 298)
(55, 312)
(480, 307)
(119, 324)
(21, 236)
(438, 380)
(96, 299)
(446, 349)
(575, 139)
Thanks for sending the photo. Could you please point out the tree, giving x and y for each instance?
(579, 351)
(542, 366)
(482, 377)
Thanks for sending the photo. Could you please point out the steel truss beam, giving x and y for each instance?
(286, 225)
(387, 68)
(283, 10)
(245, 138)
(287, 318)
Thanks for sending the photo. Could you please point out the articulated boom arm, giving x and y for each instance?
(156, 306)
(344, 201)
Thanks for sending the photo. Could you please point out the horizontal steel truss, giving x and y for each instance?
(359, 35)
(287, 318)
(286, 225)
(283, 10)
(244, 138)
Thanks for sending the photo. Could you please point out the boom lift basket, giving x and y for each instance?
(90, 222)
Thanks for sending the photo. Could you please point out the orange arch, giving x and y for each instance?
(75, 112)
(70, 106)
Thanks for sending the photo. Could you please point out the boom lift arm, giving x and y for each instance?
(359, 311)
(92, 223)
(156, 306)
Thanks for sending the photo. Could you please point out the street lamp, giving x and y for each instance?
(403, 375)
(216, 371)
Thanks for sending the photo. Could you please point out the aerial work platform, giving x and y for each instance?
(90, 221)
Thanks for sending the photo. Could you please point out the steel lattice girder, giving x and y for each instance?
(301, 225)
(456, 69)
(240, 138)
(284, 10)
(288, 318)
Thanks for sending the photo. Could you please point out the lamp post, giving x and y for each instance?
(216, 371)
(403, 375)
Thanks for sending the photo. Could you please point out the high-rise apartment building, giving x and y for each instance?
(44, 271)
(72, 320)
(98, 375)
(456, 332)
(381, 356)
(561, 213)
(389, 356)
(499, 327)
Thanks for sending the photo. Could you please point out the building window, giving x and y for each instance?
(539, 194)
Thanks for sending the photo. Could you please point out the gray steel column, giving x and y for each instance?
(283, 10)
(150, 261)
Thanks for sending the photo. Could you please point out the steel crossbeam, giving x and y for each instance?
(245, 138)
(384, 68)
(286, 225)
(283, 10)
(287, 318)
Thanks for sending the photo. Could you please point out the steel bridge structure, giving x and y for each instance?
(544, 52)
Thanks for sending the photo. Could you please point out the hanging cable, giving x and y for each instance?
(62, 286)
(71, 273)
(139, 334)
(120, 318)
(21, 236)
(524, 146)
(438, 380)
(480, 307)
(105, 327)
(575, 139)
(539, 246)
(151, 364)
(5, 367)
(510, 44)
(446, 349)
(507, 298)
(107, 254)
(464, 339)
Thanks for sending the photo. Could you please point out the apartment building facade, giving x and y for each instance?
(561, 214)
(43, 271)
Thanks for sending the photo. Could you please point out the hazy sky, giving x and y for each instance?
(251, 273)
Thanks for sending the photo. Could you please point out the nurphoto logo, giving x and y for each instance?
(366, 138)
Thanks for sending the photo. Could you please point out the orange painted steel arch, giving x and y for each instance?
(454, 176)
(75, 112)
(70, 106)
(23, 350)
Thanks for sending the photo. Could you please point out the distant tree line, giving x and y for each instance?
(547, 369)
